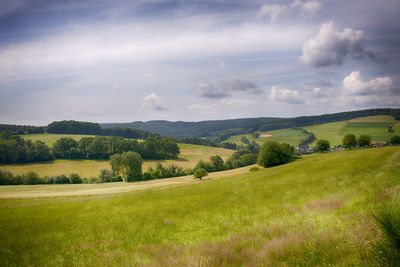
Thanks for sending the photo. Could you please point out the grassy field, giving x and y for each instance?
(314, 211)
(289, 136)
(50, 139)
(375, 126)
(190, 155)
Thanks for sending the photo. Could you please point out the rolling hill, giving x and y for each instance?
(301, 213)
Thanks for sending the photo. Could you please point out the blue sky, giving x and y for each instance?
(109, 61)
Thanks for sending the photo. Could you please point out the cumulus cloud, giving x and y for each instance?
(332, 47)
(286, 96)
(308, 7)
(153, 101)
(273, 11)
(379, 91)
(224, 89)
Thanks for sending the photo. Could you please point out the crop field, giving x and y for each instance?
(50, 139)
(289, 136)
(375, 126)
(190, 155)
(301, 213)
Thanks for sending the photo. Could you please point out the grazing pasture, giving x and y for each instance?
(50, 139)
(290, 136)
(315, 211)
(375, 126)
(190, 155)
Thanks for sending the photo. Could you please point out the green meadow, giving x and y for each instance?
(375, 126)
(50, 139)
(190, 155)
(315, 211)
(290, 136)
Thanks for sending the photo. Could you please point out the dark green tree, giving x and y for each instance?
(217, 163)
(395, 140)
(322, 145)
(273, 153)
(349, 141)
(364, 140)
(200, 173)
(133, 166)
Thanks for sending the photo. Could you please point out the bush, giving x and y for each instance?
(364, 140)
(395, 140)
(349, 141)
(106, 176)
(200, 173)
(6, 178)
(61, 179)
(273, 153)
(322, 145)
(255, 169)
(74, 178)
(31, 178)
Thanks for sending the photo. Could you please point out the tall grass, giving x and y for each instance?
(388, 220)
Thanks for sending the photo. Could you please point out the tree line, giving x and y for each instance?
(14, 149)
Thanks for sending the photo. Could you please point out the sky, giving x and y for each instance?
(124, 61)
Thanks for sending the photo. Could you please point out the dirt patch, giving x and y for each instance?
(265, 135)
(324, 204)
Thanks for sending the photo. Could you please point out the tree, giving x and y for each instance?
(323, 145)
(74, 178)
(62, 147)
(133, 166)
(244, 140)
(395, 140)
(200, 173)
(217, 162)
(255, 134)
(117, 164)
(364, 140)
(349, 141)
(273, 153)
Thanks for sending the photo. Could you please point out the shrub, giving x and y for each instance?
(105, 176)
(31, 178)
(255, 169)
(200, 173)
(273, 153)
(395, 140)
(6, 178)
(349, 141)
(74, 178)
(61, 179)
(322, 145)
(364, 140)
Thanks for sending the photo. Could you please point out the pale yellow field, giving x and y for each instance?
(190, 155)
(63, 190)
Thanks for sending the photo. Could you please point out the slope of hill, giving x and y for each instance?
(290, 136)
(190, 155)
(302, 213)
(192, 129)
(209, 128)
(375, 126)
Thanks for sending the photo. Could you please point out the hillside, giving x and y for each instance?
(214, 128)
(301, 213)
(190, 155)
(375, 126)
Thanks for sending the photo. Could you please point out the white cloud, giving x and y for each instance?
(273, 11)
(286, 96)
(308, 7)
(332, 47)
(224, 89)
(100, 45)
(153, 101)
(379, 91)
